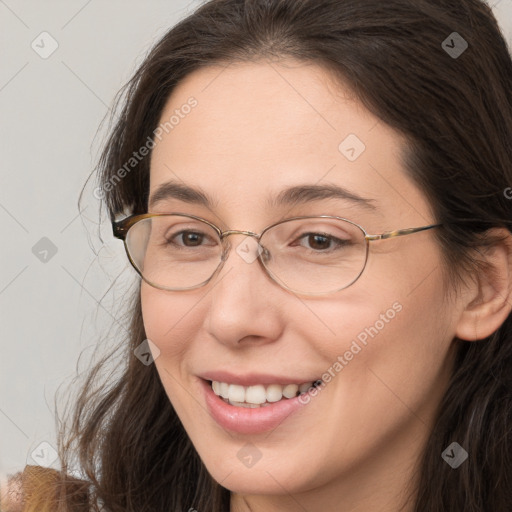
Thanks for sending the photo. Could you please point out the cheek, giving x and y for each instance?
(386, 366)
(394, 360)
(166, 323)
(173, 322)
(401, 333)
(166, 318)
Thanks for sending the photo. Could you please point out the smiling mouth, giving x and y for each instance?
(259, 395)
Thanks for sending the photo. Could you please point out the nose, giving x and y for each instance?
(245, 303)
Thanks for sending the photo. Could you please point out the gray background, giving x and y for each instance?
(50, 111)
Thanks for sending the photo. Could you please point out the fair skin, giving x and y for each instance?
(258, 129)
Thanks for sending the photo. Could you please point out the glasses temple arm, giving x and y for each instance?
(400, 232)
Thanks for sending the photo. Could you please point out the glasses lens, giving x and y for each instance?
(317, 255)
(174, 251)
(311, 256)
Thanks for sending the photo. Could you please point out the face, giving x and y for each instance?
(385, 341)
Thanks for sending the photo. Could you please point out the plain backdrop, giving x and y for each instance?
(58, 263)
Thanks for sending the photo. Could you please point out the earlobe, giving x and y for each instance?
(491, 301)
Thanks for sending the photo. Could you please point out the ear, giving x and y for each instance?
(490, 294)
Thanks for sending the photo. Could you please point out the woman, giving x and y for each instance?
(295, 345)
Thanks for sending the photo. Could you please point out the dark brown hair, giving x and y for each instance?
(455, 113)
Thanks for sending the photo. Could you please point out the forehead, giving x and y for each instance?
(263, 110)
(259, 127)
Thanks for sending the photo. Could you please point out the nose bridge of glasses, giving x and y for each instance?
(237, 232)
(227, 244)
(262, 251)
(225, 234)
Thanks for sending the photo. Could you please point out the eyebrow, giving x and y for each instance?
(296, 195)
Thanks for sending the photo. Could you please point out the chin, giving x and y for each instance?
(256, 482)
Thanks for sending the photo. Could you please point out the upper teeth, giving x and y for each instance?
(258, 394)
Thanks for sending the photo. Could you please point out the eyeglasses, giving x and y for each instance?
(310, 255)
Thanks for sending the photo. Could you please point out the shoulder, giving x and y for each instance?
(37, 489)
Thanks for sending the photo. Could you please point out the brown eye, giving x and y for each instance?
(323, 242)
(189, 238)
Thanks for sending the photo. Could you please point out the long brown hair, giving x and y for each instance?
(456, 114)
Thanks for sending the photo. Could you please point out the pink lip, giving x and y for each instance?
(248, 421)
(252, 379)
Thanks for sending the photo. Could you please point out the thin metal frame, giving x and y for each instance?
(120, 230)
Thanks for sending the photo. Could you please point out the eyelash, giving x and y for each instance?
(340, 243)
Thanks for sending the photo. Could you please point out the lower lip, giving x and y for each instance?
(244, 420)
